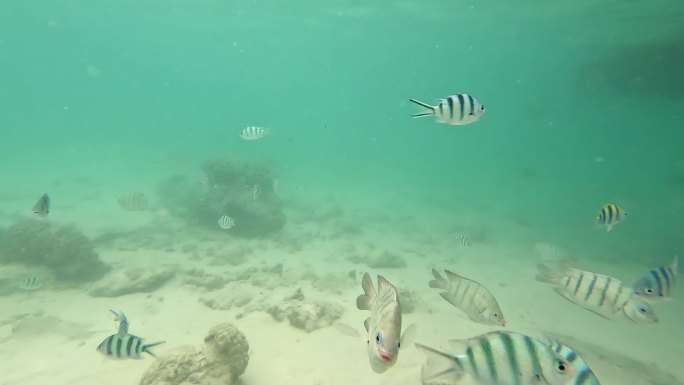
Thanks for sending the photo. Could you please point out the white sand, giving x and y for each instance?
(62, 349)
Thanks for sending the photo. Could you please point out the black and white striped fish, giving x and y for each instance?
(658, 283)
(133, 201)
(455, 110)
(225, 222)
(128, 346)
(30, 283)
(609, 215)
(585, 376)
(42, 208)
(598, 293)
(497, 358)
(253, 133)
(123, 345)
(469, 296)
(463, 241)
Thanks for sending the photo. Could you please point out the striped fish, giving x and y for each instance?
(128, 346)
(30, 283)
(123, 323)
(42, 208)
(658, 283)
(469, 296)
(585, 376)
(455, 110)
(463, 241)
(133, 201)
(610, 215)
(384, 324)
(225, 222)
(598, 293)
(253, 133)
(497, 358)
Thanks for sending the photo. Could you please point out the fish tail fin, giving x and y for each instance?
(430, 109)
(674, 266)
(439, 282)
(441, 368)
(146, 348)
(363, 302)
(547, 275)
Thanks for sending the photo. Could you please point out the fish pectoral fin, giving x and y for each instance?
(439, 282)
(347, 330)
(440, 369)
(409, 335)
(363, 302)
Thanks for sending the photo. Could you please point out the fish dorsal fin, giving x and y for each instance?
(461, 346)
(439, 282)
(366, 324)
(364, 301)
(384, 286)
(409, 336)
(453, 277)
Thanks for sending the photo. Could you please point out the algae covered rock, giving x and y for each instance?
(243, 192)
(220, 361)
(63, 249)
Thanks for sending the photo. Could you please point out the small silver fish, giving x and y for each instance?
(658, 283)
(254, 133)
(30, 283)
(497, 358)
(133, 201)
(225, 222)
(598, 293)
(256, 191)
(585, 376)
(469, 296)
(42, 208)
(384, 324)
(455, 110)
(610, 215)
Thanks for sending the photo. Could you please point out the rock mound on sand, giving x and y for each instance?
(63, 249)
(220, 361)
(306, 314)
(132, 280)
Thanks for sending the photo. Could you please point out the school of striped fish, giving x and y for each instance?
(501, 357)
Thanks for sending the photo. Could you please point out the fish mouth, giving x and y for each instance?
(385, 356)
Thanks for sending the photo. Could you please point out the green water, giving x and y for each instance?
(584, 100)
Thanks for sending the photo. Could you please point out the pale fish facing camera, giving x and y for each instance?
(455, 110)
(384, 324)
(658, 283)
(469, 296)
(598, 293)
(585, 376)
(497, 358)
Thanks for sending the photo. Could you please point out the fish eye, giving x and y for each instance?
(561, 367)
(643, 309)
(378, 337)
(482, 107)
(649, 290)
(398, 344)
